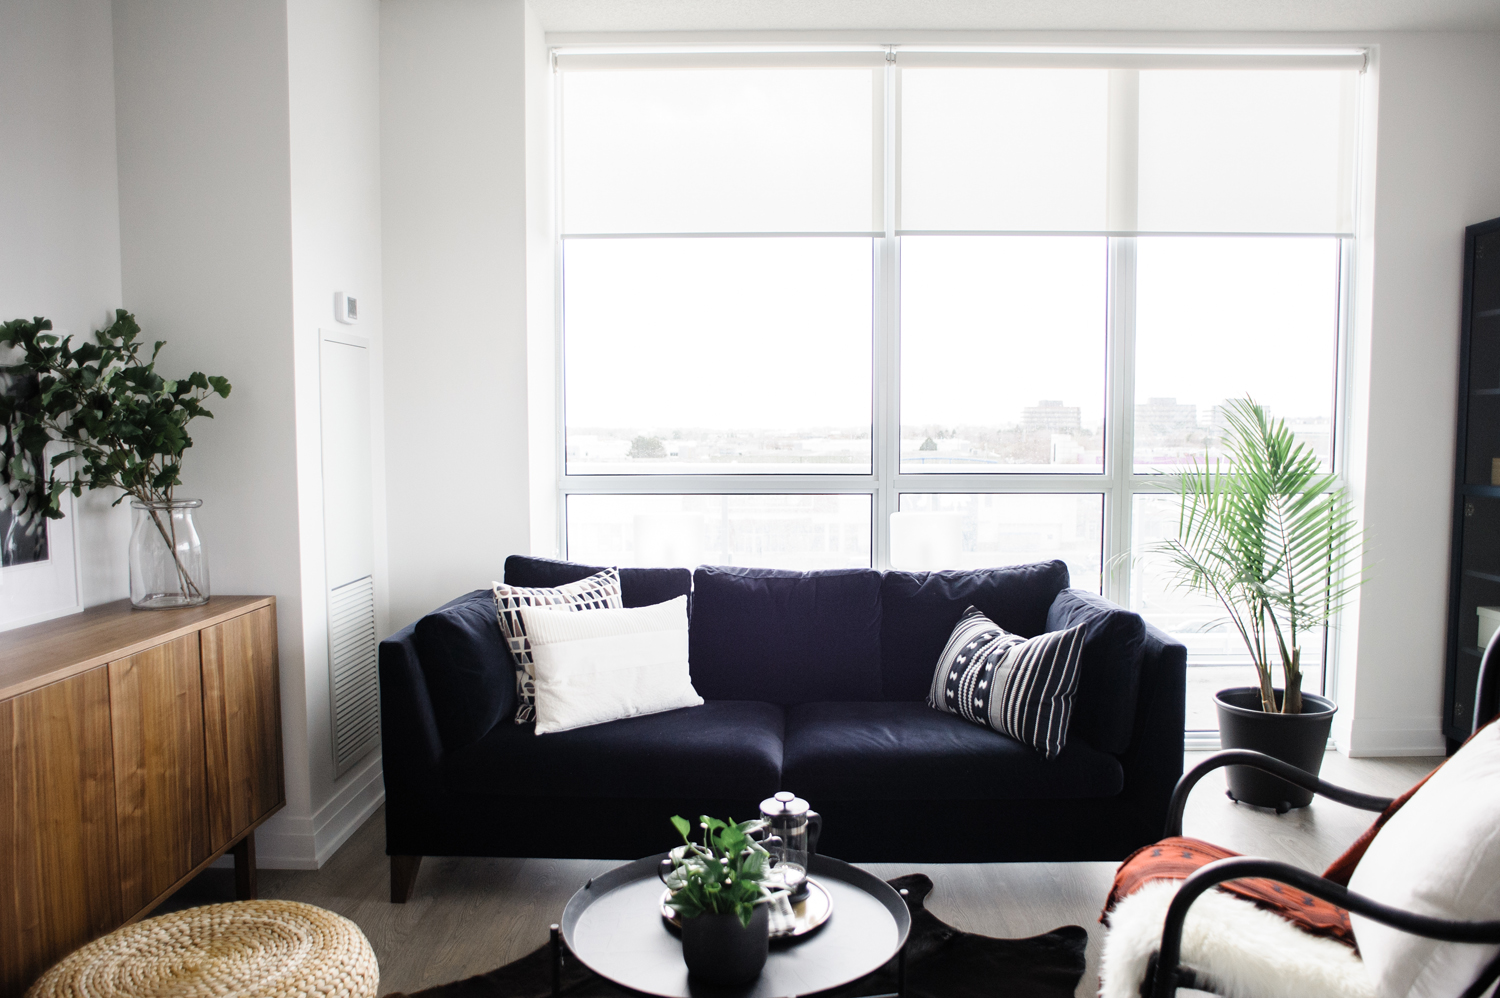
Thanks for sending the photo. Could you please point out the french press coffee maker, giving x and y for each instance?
(792, 830)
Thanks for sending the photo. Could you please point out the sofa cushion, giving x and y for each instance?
(905, 750)
(608, 664)
(467, 667)
(920, 609)
(597, 592)
(786, 637)
(731, 749)
(1110, 674)
(638, 586)
(1021, 687)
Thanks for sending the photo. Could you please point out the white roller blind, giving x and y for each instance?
(720, 150)
(1003, 149)
(1246, 151)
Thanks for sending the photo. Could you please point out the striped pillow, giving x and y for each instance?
(600, 591)
(1022, 687)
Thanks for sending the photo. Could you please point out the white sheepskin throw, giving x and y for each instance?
(1244, 951)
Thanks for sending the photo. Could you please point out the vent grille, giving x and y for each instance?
(356, 685)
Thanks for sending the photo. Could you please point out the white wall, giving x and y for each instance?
(59, 210)
(205, 223)
(249, 180)
(454, 160)
(334, 72)
(1437, 170)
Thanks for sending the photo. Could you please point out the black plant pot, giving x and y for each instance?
(719, 950)
(1300, 739)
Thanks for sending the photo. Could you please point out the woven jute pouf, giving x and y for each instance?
(244, 949)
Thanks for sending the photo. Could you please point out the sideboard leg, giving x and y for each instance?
(403, 877)
(556, 962)
(244, 868)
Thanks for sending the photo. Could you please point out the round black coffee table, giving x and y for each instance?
(613, 925)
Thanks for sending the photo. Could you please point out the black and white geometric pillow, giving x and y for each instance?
(1022, 687)
(600, 591)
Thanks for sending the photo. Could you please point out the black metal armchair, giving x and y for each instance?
(1164, 984)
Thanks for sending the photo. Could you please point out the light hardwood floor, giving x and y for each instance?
(467, 916)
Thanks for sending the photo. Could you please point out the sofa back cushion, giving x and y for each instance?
(638, 586)
(786, 637)
(1110, 671)
(919, 611)
(468, 668)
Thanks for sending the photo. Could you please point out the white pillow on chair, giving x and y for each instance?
(593, 666)
(1438, 855)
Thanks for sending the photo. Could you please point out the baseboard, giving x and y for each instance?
(290, 842)
(1386, 737)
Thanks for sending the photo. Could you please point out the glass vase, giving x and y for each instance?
(167, 567)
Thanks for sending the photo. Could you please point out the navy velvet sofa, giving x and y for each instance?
(815, 682)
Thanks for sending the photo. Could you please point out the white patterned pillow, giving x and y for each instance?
(1022, 687)
(600, 591)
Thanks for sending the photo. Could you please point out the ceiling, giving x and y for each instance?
(1025, 15)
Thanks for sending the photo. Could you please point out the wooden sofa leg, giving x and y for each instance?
(403, 877)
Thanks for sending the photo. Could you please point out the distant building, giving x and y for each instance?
(1050, 416)
(1164, 417)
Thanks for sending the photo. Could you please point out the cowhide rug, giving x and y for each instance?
(941, 962)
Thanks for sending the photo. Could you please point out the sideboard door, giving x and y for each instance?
(57, 825)
(157, 708)
(241, 723)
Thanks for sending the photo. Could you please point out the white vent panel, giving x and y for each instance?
(352, 657)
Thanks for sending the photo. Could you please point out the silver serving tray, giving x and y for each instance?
(810, 913)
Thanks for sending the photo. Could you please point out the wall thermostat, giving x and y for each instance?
(345, 307)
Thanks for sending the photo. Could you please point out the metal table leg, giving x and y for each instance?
(556, 962)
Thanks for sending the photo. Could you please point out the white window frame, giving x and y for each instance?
(1118, 483)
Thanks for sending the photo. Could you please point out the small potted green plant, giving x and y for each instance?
(1273, 540)
(718, 891)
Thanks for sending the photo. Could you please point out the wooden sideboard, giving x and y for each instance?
(136, 747)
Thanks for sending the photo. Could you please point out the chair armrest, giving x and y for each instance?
(1266, 763)
(1241, 867)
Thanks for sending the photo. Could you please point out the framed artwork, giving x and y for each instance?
(38, 557)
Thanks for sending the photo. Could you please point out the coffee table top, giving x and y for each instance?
(614, 927)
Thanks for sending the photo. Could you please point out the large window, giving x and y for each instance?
(931, 309)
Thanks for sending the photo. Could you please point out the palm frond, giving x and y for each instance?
(1271, 537)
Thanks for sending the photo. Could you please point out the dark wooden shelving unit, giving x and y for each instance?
(1474, 580)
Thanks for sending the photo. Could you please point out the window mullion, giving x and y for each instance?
(1119, 440)
(886, 429)
(1119, 432)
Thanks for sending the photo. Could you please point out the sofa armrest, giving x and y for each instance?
(411, 747)
(1153, 762)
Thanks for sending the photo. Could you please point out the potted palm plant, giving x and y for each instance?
(1273, 540)
(719, 892)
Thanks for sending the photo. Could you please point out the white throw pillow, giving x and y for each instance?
(593, 666)
(1438, 855)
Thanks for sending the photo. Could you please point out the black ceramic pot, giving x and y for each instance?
(1300, 739)
(719, 950)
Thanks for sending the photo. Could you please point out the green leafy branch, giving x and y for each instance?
(119, 423)
(724, 874)
(1272, 539)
